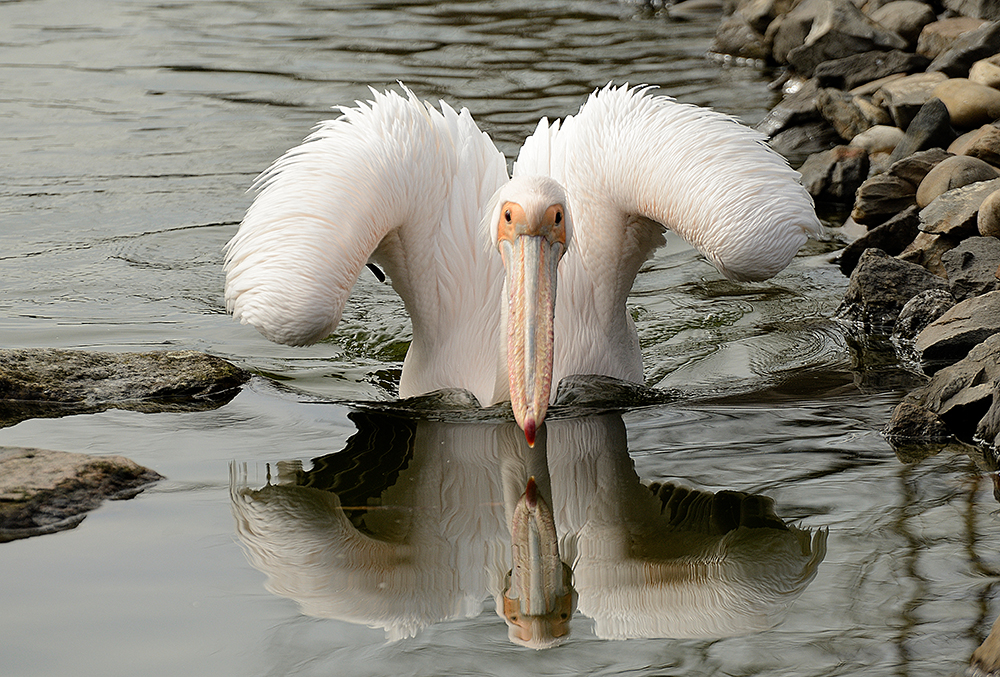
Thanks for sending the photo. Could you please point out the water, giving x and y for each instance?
(131, 131)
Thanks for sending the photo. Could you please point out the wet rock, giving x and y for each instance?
(804, 140)
(962, 396)
(969, 48)
(929, 128)
(969, 104)
(737, 37)
(920, 311)
(43, 492)
(835, 174)
(904, 97)
(51, 382)
(892, 237)
(954, 212)
(906, 18)
(953, 172)
(986, 71)
(882, 196)
(988, 218)
(972, 266)
(796, 108)
(949, 338)
(937, 37)
(858, 69)
(821, 30)
(879, 288)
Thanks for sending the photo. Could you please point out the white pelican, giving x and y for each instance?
(475, 254)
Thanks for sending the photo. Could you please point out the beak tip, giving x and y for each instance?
(529, 432)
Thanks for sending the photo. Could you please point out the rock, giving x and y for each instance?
(985, 145)
(737, 37)
(949, 338)
(793, 110)
(969, 48)
(882, 196)
(857, 69)
(972, 266)
(903, 97)
(988, 218)
(937, 37)
(979, 9)
(929, 128)
(969, 104)
(913, 422)
(953, 172)
(870, 88)
(879, 288)
(878, 138)
(821, 30)
(926, 251)
(954, 212)
(835, 174)
(906, 18)
(915, 167)
(804, 140)
(846, 117)
(51, 382)
(43, 492)
(920, 311)
(892, 237)
(986, 71)
(986, 658)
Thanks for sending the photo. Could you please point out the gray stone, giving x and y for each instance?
(857, 69)
(953, 172)
(892, 237)
(979, 9)
(737, 37)
(915, 167)
(797, 143)
(949, 338)
(835, 174)
(821, 30)
(912, 422)
(903, 97)
(846, 117)
(881, 197)
(929, 128)
(926, 251)
(879, 288)
(906, 18)
(937, 37)
(793, 110)
(760, 13)
(920, 311)
(986, 145)
(972, 267)
(969, 48)
(43, 491)
(954, 212)
(49, 382)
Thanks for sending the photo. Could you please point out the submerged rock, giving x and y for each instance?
(42, 492)
(47, 382)
(952, 336)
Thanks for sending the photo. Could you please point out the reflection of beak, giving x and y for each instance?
(531, 262)
(538, 597)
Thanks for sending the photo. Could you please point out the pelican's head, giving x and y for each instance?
(538, 597)
(531, 226)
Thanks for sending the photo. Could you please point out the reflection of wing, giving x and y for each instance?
(436, 540)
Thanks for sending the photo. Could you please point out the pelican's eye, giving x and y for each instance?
(506, 215)
(558, 218)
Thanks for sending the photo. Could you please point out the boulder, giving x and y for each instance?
(804, 140)
(906, 18)
(43, 382)
(929, 128)
(953, 172)
(858, 69)
(927, 249)
(986, 71)
(835, 174)
(795, 109)
(980, 9)
(44, 491)
(737, 37)
(821, 30)
(985, 145)
(915, 167)
(949, 338)
(879, 288)
(878, 139)
(844, 115)
(969, 48)
(903, 97)
(919, 312)
(937, 37)
(881, 197)
(988, 218)
(972, 266)
(892, 237)
(969, 104)
(954, 212)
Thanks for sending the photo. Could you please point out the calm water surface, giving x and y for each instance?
(130, 133)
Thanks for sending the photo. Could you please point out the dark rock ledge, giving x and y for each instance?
(45, 491)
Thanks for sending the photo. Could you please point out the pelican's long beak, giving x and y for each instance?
(531, 246)
(538, 596)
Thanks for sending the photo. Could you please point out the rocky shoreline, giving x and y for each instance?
(893, 110)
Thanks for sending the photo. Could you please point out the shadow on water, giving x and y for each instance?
(416, 522)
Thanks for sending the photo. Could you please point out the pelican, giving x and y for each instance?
(476, 253)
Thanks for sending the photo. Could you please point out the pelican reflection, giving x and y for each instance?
(419, 521)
